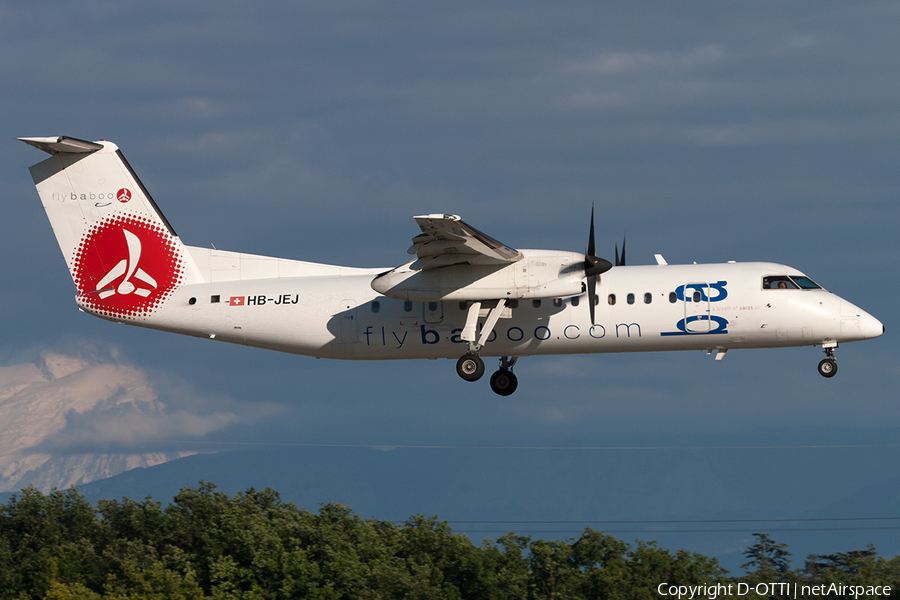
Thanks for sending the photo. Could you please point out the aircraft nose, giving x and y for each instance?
(871, 327)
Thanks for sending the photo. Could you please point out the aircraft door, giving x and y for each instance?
(696, 308)
(433, 312)
(534, 271)
(348, 321)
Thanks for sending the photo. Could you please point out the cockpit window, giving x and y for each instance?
(806, 283)
(778, 282)
(783, 282)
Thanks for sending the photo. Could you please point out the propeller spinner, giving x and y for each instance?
(593, 267)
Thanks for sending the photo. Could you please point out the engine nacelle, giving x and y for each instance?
(539, 274)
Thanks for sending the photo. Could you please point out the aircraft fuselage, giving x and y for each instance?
(341, 317)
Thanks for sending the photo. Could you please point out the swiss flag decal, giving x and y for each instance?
(236, 301)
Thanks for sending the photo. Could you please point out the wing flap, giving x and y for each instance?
(446, 240)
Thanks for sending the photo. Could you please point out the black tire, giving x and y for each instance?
(504, 382)
(470, 367)
(827, 368)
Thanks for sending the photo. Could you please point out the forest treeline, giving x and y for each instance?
(252, 545)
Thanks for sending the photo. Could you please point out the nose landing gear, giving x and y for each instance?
(828, 365)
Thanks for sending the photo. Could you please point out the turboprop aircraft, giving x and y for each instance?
(464, 295)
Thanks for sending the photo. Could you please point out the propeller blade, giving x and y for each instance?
(620, 260)
(591, 247)
(593, 267)
(592, 296)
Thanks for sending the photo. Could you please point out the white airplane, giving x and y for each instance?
(464, 296)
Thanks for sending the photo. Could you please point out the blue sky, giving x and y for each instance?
(706, 131)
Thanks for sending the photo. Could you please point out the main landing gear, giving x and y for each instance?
(503, 382)
(470, 366)
(828, 366)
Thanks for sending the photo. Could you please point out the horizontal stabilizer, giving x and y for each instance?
(62, 145)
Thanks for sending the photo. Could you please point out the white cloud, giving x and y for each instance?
(791, 131)
(667, 61)
(65, 421)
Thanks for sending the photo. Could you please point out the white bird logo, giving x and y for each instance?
(128, 267)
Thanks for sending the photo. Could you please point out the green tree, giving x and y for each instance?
(767, 558)
(857, 567)
(506, 568)
(253, 546)
(49, 538)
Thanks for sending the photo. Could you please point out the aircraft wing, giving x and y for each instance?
(446, 240)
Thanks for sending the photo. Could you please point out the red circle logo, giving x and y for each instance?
(123, 195)
(126, 267)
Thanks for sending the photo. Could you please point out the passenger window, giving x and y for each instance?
(536, 303)
(376, 306)
(407, 305)
(214, 299)
(432, 306)
(673, 297)
(697, 296)
(596, 300)
(648, 298)
(574, 301)
(612, 299)
(462, 305)
(630, 298)
(513, 304)
(557, 302)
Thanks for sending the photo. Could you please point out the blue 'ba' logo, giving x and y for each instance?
(702, 323)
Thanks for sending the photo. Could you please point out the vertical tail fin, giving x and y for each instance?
(123, 255)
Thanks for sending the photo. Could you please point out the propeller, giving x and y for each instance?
(594, 266)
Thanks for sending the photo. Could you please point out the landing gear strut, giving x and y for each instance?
(503, 381)
(828, 366)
